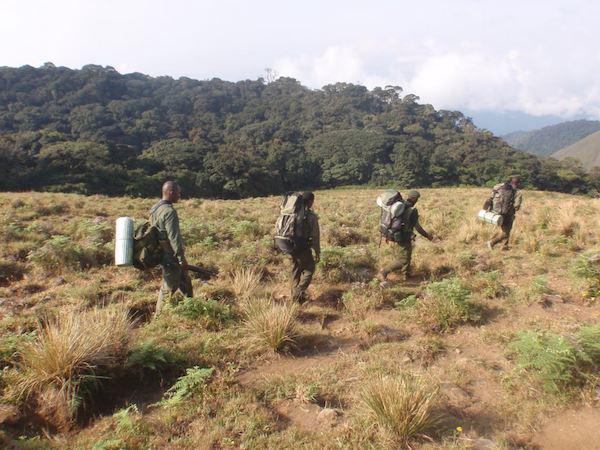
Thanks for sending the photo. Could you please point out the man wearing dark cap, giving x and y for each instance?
(506, 200)
(402, 249)
(303, 261)
(174, 265)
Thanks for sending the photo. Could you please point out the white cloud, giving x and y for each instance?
(471, 76)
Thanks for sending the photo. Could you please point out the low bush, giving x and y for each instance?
(71, 354)
(338, 265)
(345, 236)
(147, 356)
(558, 361)
(56, 254)
(269, 325)
(192, 383)
(401, 408)
(213, 315)
(445, 305)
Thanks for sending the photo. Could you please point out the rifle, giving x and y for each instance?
(202, 273)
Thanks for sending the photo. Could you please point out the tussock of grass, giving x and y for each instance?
(245, 283)
(401, 407)
(70, 351)
(269, 325)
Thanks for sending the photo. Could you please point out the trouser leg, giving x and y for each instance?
(504, 235)
(303, 269)
(402, 260)
(174, 279)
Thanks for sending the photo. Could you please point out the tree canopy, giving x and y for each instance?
(96, 131)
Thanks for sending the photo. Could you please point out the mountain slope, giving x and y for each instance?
(587, 150)
(548, 140)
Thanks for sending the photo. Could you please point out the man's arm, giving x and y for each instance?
(518, 200)
(419, 228)
(174, 235)
(315, 235)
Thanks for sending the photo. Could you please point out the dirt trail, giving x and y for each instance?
(571, 430)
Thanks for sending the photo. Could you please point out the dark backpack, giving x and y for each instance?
(147, 250)
(290, 228)
(503, 198)
(393, 223)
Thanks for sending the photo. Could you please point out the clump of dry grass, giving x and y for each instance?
(70, 352)
(270, 325)
(245, 283)
(400, 407)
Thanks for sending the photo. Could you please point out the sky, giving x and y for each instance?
(520, 60)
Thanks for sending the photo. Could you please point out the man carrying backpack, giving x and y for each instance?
(402, 235)
(505, 200)
(297, 234)
(174, 265)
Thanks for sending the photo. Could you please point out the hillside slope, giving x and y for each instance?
(587, 150)
(494, 331)
(95, 130)
(548, 140)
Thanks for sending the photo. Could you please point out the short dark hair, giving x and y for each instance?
(307, 196)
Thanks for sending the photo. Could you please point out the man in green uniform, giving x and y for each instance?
(508, 218)
(174, 265)
(402, 250)
(303, 261)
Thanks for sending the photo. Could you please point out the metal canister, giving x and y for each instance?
(124, 241)
(490, 217)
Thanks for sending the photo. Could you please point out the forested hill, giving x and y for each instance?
(550, 139)
(97, 131)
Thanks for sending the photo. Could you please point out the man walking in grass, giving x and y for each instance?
(174, 265)
(505, 200)
(303, 261)
(403, 243)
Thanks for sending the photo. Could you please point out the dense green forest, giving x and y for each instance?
(550, 139)
(96, 131)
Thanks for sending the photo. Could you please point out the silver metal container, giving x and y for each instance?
(124, 242)
(490, 217)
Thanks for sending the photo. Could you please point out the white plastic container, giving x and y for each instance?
(490, 217)
(124, 242)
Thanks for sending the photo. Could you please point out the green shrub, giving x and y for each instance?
(147, 356)
(10, 343)
(558, 361)
(248, 230)
(212, 314)
(192, 383)
(445, 305)
(55, 254)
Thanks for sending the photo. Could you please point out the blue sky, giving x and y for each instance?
(538, 58)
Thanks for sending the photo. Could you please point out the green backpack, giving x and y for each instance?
(147, 250)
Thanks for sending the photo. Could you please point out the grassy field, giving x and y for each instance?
(481, 349)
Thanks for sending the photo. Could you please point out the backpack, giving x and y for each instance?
(147, 250)
(394, 216)
(503, 197)
(290, 234)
